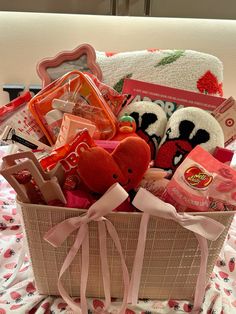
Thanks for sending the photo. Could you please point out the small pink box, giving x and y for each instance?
(70, 126)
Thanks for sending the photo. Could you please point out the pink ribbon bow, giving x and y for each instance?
(58, 234)
(203, 228)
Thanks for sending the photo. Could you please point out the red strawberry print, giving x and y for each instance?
(62, 306)
(3, 226)
(211, 311)
(15, 296)
(30, 289)
(10, 265)
(2, 311)
(9, 253)
(220, 263)
(7, 276)
(187, 307)
(208, 84)
(173, 304)
(97, 304)
(19, 237)
(23, 269)
(231, 264)
(15, 306)
(14, 211)
(224, 276)
(8, 218)
(33, 310)
(15, 228)
(128, 311)
(45, 306)
(227, 291)
(110, 54)
(217, 286)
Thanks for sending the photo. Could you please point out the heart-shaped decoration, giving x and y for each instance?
(126, 165)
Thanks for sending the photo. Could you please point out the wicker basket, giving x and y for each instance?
(171, 260)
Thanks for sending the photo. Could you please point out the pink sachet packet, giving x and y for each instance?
(202, 183)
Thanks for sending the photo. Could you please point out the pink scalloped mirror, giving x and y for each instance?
(82, 58)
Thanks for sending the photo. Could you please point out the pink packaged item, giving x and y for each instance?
(202, 183)
(70, 126)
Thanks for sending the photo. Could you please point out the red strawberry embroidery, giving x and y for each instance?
(8, 218)
(173, 304)
(62, 306)
(9, 253)
(15, 296)
(152, 49)
(231, 264)
(97, 304)
(30, 289)
(187, 307)
(110, 54)
(208, 84)
(224, 276)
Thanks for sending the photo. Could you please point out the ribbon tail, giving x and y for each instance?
(138, 261)
(71, 255)
(112, 231)
(201, 280)
(84, 271)
(104, 263)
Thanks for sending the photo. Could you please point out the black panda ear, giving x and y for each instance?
(148, 119)
(185, 129)
(202, 136)
(135, 115)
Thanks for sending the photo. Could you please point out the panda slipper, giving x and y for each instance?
(187, 128)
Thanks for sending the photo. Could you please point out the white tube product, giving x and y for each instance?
(22, 140)
(62, 105)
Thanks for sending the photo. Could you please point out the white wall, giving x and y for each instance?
(221, 9)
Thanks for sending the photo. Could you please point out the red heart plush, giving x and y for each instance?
(126, 165)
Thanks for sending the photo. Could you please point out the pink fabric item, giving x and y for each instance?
(78, 199)
(203, 227)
